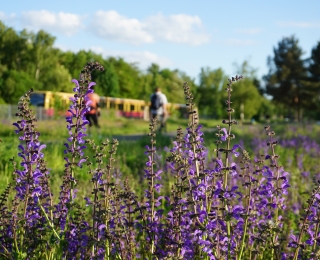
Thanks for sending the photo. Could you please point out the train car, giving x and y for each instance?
(47, 99)
(136, 108)
(50, 100)
(125, 107)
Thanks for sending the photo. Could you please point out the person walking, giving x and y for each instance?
(158, 108)
(92, 115)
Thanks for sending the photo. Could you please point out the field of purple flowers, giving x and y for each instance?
(225, 202)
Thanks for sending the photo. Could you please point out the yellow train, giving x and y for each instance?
(126, 107)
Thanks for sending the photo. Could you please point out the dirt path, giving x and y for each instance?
(137, 136)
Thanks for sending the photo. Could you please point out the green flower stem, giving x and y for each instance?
(316, 232)
(49, 222)
(245, 225)
(152, 193)
(227, 165)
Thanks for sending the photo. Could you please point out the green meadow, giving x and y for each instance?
(298, 150)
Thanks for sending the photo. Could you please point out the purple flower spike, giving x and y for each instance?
(225, 136)
(234, 150)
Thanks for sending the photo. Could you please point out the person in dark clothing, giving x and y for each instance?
(158, 108)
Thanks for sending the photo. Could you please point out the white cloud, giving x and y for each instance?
(2, 16)
(179, 28)
(113, 26)
(238, 42)
(142, 58)
(249, 31)
(299, 24)
(7, 18)
(65, 23)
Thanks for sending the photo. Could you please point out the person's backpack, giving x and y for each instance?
(155, 101)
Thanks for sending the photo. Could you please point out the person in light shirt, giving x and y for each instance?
(158, 108)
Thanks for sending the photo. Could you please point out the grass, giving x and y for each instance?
(130, 153)
(54, 133)
(130, 161)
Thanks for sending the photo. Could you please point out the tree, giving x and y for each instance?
(58, 79)
(285, 81)
(314, 65)
(13, 48)
(246, 97)
(107, 80)
(128, 76)
(210, 92)
(42, 52)
(154, 70)
(15, 62)
(170, 82)
(313, 83)
(15, 84)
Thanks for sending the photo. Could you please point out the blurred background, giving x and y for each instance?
(275, 45)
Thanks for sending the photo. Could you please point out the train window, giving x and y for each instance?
(37, 99)
(102, 103)
(112, 105)
(120, 107)
(131, 107)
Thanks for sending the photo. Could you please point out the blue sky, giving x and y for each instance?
(184, 35)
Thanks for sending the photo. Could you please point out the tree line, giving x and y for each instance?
(30, 60)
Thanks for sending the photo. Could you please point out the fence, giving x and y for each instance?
(8, 112)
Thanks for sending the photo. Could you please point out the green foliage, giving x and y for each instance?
(287, 81)
(42, 54)
(72, 61)
(13, 48)
(107, 80)
(60, 106)
(14, 85)
(245, 95)
(28, 59)
(313, 83)
(169, 81)
(128, 77)
(211, 95)
(246, 99)
(266, 110)
(59, 79)
(211, 92)
(314, 67)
